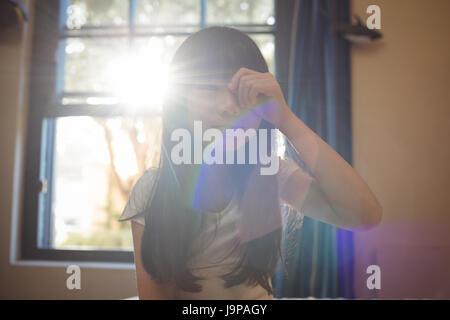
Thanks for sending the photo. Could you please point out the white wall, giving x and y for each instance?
(401, 131)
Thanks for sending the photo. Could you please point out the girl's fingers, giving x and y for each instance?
(249, 97)
(236, 77)
(249, 86)
(249, 81)
(246, 82)
(241, 93)
(244, 85)
(254, 94)
(255, 83)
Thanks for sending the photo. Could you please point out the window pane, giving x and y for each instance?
(88, 61)
(266, 44)
(96, 13)
(137, 76)
(168, 12)
(96, 162)
(241, 12)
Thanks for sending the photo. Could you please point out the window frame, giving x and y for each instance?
(45, 107)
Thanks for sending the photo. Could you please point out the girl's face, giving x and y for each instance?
(217, 107)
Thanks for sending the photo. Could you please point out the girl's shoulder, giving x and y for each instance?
(139, 196)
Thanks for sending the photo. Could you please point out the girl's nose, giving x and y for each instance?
(229, 107)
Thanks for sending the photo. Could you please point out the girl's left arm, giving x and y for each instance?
(335, 182)
(337, 195)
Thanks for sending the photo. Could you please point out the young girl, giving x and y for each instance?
(213, 231)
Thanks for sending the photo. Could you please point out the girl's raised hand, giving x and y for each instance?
(260, 92)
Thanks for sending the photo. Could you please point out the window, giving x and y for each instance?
(94, 126)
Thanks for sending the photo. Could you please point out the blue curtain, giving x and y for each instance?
(320, 264)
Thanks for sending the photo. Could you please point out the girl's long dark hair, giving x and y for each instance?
(171, 224)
